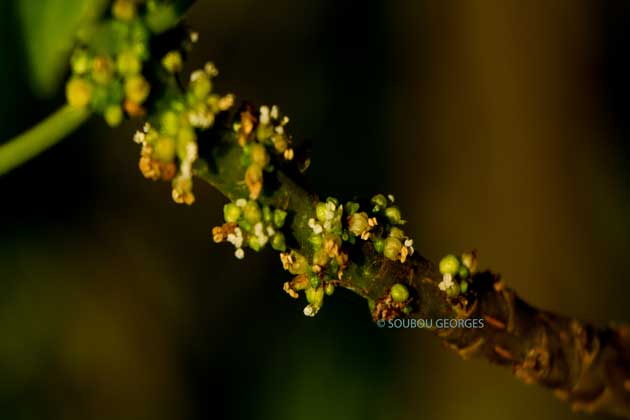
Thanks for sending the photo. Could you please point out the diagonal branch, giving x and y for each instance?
(586, 366)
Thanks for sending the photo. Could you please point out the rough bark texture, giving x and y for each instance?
(587, 366)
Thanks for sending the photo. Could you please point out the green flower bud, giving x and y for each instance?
(300, 264)
(278, 242)
(321, 211)
(185, 136)
(280, 142)
(279, 216)
(267, 214)
(407, 309)
(332, 200)
(164, 149)
(453, 291)
(393, 214)
(254, 243)
(172, 61)
(201, 85)
(78, 92)
(80, 62)
(263, 132)
(128, 64)
(102, 69)
(320, 257)
(245, 225)
(113, 115)
(463, 272)
(379, 202)
(469, 259)
(449, 265)
(391, 248)
(259, 155)
(314, 280)
(137, 89)
(329, 289)
(396, 233)
(170, 123)
(399, 292)
(358, 223)
(231, 212)
(379, 245)
(315, 296)
(252, 213)
(463, 285)
(124, 10)
(316, 241)
(352, 207)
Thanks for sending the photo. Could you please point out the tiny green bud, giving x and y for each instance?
(245, 225)
(128, 63)
(164, 149)
(330, 289)
(267, 214)
(463, 285)
(170, 123)
(124, 10)
(279, 216)
(453, 291)
(358, 223)
(315, 296)
(391, 248)
(254, 243)
(137, 89)
(463, 272)
(352, 207)
(300, 264)
(379, 202)
(332, 200)
(252, 213)
(78, 92)
(172, 61)
(102, 69)
(113, 115)
(314, 280)
(80, 62)
(399, 292)
(185, 136)
(449, 265)
(278, 242)
(201, 85)
(407, 309)
(379, 245)
(321, 257)
(231, 212)
(469, 259)
(396, 233)
(321, 211)
(316, 241)
(259, 154)
(393, 214)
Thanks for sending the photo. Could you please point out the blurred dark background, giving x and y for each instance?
(500, 125)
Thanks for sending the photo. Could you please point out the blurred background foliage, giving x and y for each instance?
(500, 125)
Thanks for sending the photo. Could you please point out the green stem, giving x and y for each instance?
(40, 137)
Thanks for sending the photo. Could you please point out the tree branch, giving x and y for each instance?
(587, 366)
